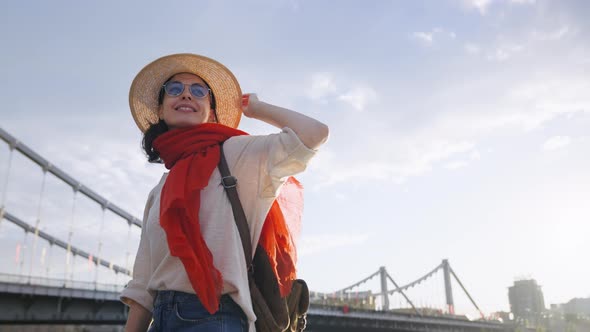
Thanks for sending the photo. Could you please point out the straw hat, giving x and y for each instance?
(143, 95)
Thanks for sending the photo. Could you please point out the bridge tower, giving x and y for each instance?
(384, 292)
(448, 289)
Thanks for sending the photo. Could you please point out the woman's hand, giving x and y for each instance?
(139, 318)
(249, 103)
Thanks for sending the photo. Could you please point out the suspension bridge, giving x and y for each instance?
(63, 262)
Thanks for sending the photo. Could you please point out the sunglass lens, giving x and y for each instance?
(198, 90)
(174, 88)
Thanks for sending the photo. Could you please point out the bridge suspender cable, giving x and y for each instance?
(5, 185)
(20, 256)
(417, 281)
(100, 235)
(344, 290)
(58, 242)
(466, 292)
(69, 255)
(37, 222)
(404, 294)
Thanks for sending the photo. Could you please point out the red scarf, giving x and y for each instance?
(191, 154)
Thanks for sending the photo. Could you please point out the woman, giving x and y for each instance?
(190, 273)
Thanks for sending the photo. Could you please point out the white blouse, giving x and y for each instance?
(261, 164)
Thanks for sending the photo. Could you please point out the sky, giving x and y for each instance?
(458, 130)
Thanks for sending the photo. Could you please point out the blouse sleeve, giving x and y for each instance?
(262, 163)
(137, 288)
(286, 155)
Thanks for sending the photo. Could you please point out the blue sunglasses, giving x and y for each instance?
(176, 88)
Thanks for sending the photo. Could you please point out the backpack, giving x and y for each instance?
(274, 313)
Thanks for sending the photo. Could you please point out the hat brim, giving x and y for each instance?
(143, 95)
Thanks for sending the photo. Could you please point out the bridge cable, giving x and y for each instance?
(99, 253)
(53, 240)
(358, 283)
(466, 292)
(417, 281)
(402, 292)
(43, 256)
(5, 184)
(69, 254)
(37, 222)
(128, 245)
(48, 259)
(21, 253)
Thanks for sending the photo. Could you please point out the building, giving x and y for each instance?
(526, 299)
(356, 300)
(578, 307)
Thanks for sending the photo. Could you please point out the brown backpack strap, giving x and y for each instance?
(230, 182)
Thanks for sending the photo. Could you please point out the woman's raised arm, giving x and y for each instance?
(310, 131)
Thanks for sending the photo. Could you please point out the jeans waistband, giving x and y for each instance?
(169, 297)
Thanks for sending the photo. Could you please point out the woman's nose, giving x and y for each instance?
(186, 93)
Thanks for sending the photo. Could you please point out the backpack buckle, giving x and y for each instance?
(229, 181)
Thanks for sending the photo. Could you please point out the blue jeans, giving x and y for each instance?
(184, 312)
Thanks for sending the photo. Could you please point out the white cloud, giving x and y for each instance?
(483, 5)
(526, 114)
(472, 48)
(465, 115)
(403, 158)
(325, 89)
(319, 243)
(552, 35)
(548, 98)
(504, 52)
(453, 165)
(456, 164)
(359, 97)
(480, 5)
(322, 85)
(425, 37)
(556, 142)
(428, 38)
(523, 1)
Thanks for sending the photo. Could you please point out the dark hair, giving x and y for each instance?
(157, 129)
(149, 136)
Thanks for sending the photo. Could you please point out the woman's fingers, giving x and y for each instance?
(245, 100)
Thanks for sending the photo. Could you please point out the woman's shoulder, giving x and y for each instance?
(156, 189)
(242, 142)
(248, 149)
(283, 143)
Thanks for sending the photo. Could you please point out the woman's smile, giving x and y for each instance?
(185, 108)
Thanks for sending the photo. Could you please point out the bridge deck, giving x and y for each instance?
(51, 304)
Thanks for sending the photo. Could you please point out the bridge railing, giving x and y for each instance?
(59, 283)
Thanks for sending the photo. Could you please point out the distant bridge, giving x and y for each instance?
(52, 301)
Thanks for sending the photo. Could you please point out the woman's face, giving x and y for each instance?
(185, 109)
